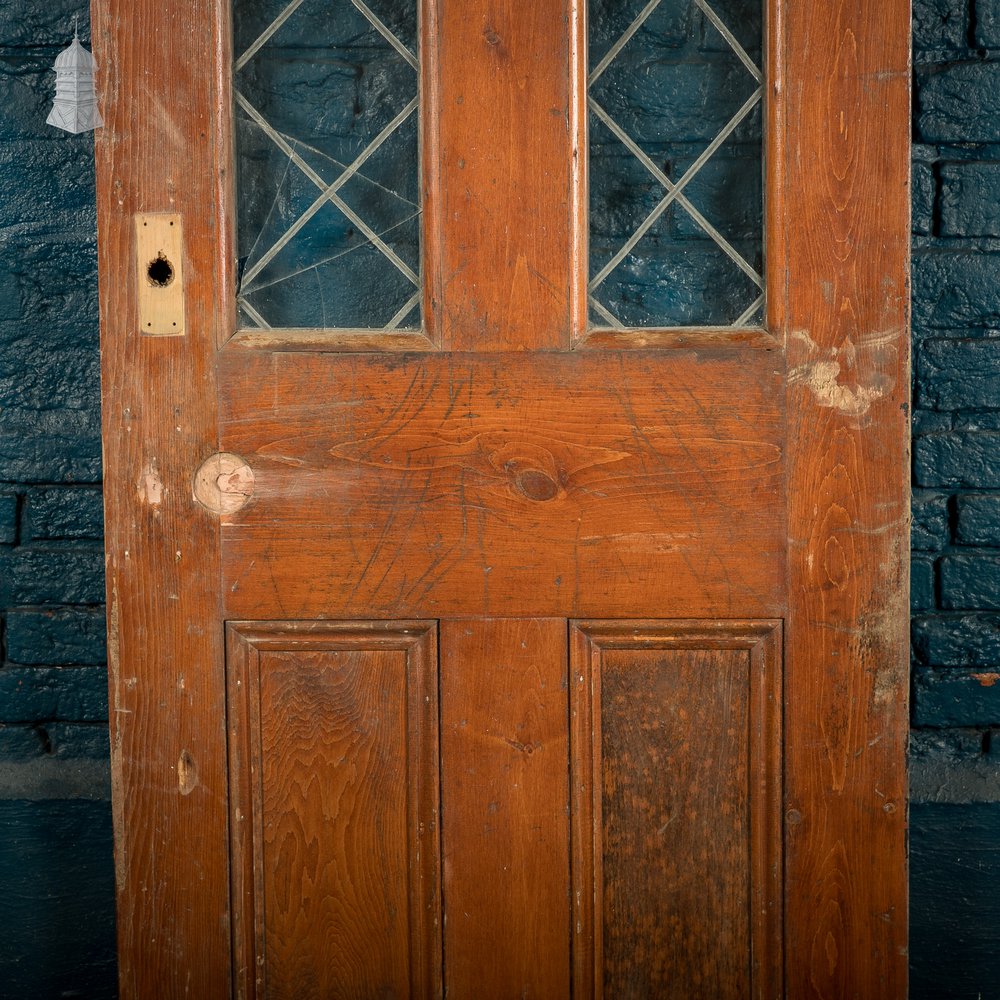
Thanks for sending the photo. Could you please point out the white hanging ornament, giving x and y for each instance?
(75, 106)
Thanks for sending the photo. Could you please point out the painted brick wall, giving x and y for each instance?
(955, 752)
(56, 903)
(56, 913)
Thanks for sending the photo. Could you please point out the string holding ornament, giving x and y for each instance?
(75, 106)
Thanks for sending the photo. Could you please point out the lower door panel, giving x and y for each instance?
(505, 808)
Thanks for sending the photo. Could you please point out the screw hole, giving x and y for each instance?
(160, 272)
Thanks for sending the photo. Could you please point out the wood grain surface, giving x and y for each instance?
(505, 834)
(334, 776)
(508, 486)
(676, 778)
(843, 215)
(586, 483)
(160, 152)
(506, 265)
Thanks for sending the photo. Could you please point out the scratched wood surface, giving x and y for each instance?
(612, 481)
(844, 214)
(517, 484)
(334, 761)
(506, 263)
(675, 769)
(159, 152)
(505, 784)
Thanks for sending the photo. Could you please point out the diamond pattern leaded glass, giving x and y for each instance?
(328, 203)
(676, 204)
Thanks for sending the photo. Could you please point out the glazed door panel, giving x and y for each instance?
(510, 656)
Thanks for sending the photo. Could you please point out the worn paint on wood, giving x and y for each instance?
(676, 783)
(159, 154)
(842, 214)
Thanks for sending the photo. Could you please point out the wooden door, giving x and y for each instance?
(508, 657)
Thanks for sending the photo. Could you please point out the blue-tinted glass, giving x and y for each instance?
(328, 196)
(676, 203)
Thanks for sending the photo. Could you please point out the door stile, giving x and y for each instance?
(165, 641)
(845, 199)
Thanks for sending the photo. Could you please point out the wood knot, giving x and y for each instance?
(224, 483)
(536, 485)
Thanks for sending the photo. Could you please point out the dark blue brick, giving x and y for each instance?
(939, 24)
(921, 583)
(57, 636)
(744, 19)
(969, 640)
(46, 279)
(960, 102)
(60, 446)
(39, 694)
(8, 518)
(52, 574)
(50, 24)
(923, 195)
(50, 420)
(56, 866)
(957, 459)
(930, 421)
(976, 420)
(954, 905)
(978, 519)
(988, 23)
(929, 529)
(702, 98)
(53, 740)
(27, 86)
(956, 697)
(970, 582)
(955, 290)
(970, 199)
(958, 374)
(47, 183)
(63, 513)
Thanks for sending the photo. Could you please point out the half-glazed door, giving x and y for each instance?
(505, 418)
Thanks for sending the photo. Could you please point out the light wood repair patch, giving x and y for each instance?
(159, 274)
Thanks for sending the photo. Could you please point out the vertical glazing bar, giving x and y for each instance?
(501, 169)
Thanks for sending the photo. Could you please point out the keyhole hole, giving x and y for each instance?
(160, 272)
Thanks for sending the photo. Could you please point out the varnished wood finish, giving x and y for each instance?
(571, 484)
(844, 214)
(676, 783)
(638, 475)
(504, 746)
(334, 806)
(503, 185)
(159, 153)
(348, 341)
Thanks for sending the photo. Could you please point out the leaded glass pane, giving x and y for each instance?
(676, 202)
(328, 194)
